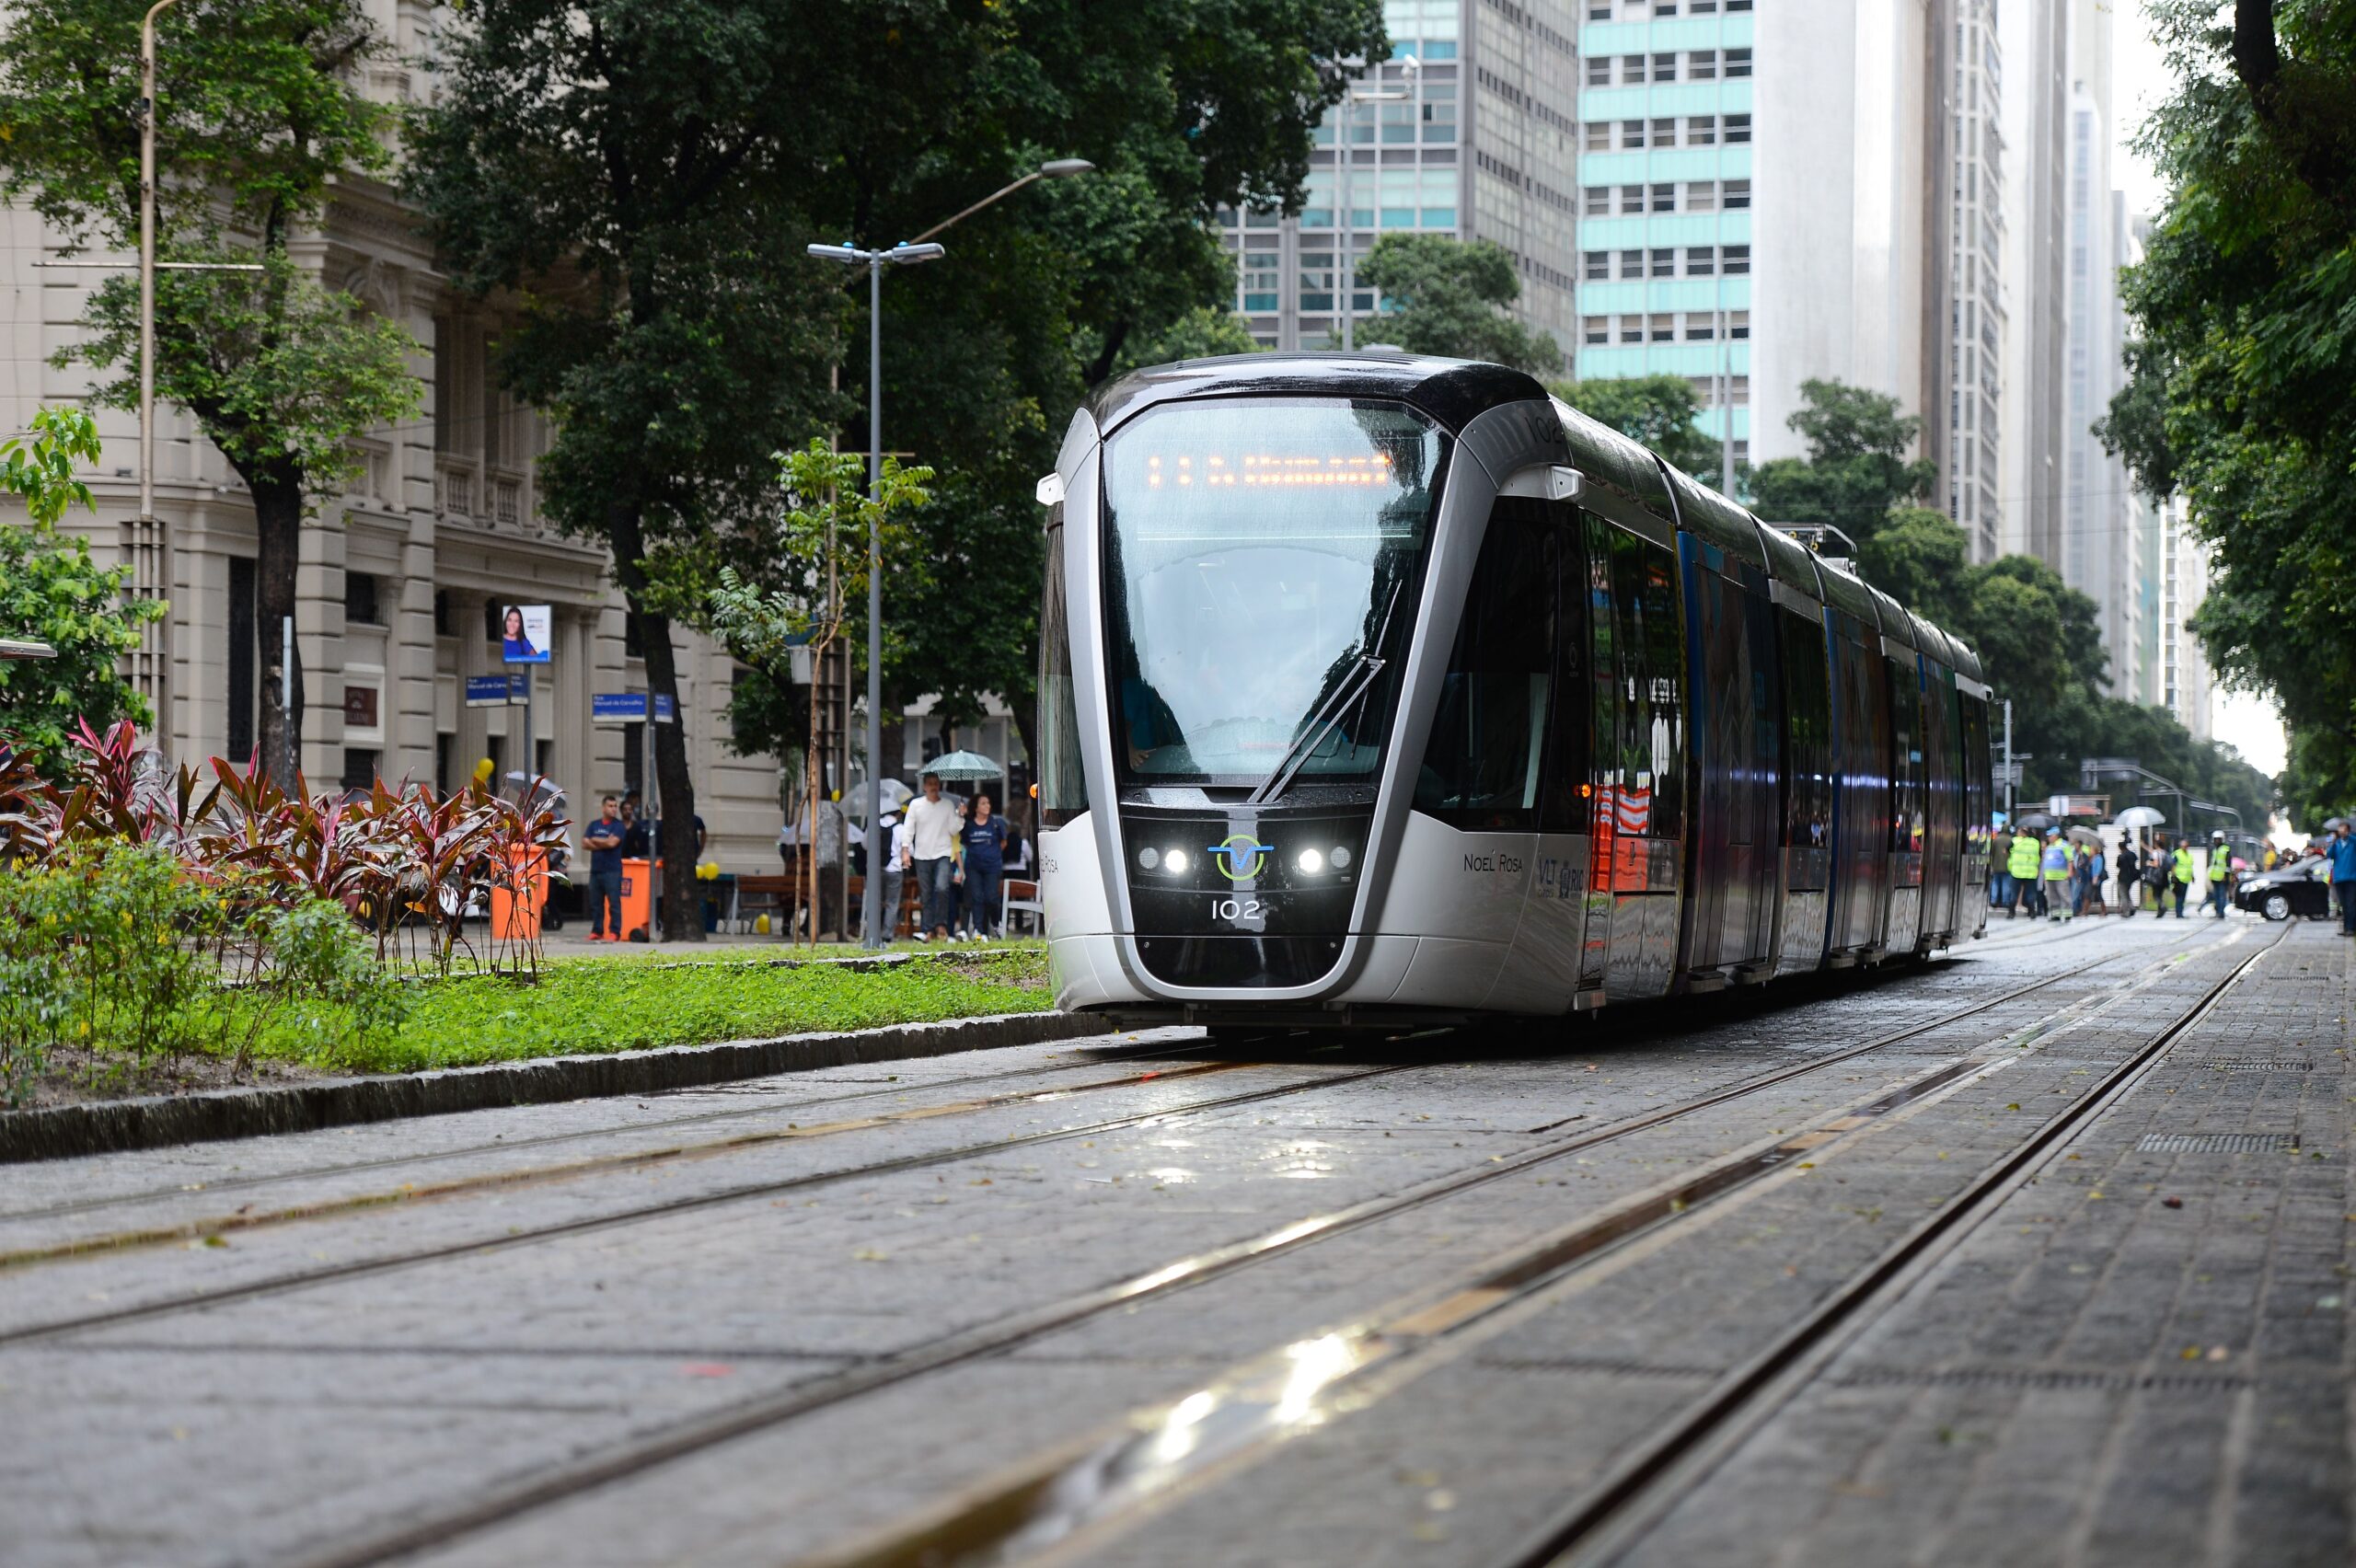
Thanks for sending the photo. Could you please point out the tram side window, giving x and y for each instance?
(1807, 728)
(1905, 755)
(1063, 783)
(1481, 766)
(1650, 768)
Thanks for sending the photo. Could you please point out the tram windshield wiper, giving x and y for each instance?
(1328, 712)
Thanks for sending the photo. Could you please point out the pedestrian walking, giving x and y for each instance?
(896, 874)
(2057, 876)
(2220, 866)
(2097, 870)
(2000, 856)
(2180, 875)
(2131, 871)
(931, 827)
(2341, 852)
(2020, 864)
(603, 840)
(984, 840)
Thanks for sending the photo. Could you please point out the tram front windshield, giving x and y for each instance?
(1264, 558)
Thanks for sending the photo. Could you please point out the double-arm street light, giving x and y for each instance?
(900, 255)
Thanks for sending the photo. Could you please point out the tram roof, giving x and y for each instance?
(1453, 392)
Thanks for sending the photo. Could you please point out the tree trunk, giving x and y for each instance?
(277, 532)
(676, 791)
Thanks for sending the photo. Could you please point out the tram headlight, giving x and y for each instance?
(1149, 857)
(1312, 861)
(1341, 859)
(1176, 860)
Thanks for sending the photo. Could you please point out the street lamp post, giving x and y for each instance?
(1348, 228)
(902, 254)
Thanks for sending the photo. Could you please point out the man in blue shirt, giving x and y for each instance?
(604, 841)
(2341, 852)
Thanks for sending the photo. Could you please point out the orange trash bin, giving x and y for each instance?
(515, 918)
(638, 895)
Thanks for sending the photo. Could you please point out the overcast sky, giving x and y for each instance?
(2140, 83)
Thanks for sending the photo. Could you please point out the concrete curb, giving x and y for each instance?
(158, 1121)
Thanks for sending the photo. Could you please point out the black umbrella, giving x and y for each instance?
(2036, 819)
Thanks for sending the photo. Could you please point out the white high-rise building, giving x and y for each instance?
(2033, 39)
(1976, 427)
(2185, 683)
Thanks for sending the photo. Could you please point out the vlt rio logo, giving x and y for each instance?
(1240, 857)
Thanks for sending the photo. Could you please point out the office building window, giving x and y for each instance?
(1664, 328)
(1631, 329)
(1701, 130)
(1664, 67)
(360, 599)
(1598, 329)
(1599, 12)
(1703, 67)
(1700, 262)
(1631, 264)
(1664, 198)
(1705, 7)
(1599, 135)
(1738, 323)
(1598, 71)
(1737, 258)
(1701, 196)
(359, 768)
(1632, 69)
(1632, 134)
(1663, 263)
(1598, 200)
(1738, 194)
(1738, 4)
(1598, 266)
(1737, 128)
(1632, 199)
(1738, 63)
(1700, 329)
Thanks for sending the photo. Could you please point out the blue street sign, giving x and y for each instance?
(489, 691)
(617, 708)
(664, 712)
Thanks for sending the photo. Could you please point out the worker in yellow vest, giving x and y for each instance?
(2220, 866)
(2021, 866)
(2181, 873)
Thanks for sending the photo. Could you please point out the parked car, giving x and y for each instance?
(2302, 887)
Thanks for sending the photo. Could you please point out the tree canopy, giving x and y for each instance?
(1856, 470)
(1448, 296)
(1658, 410)
(2246, 345)
(257, 112)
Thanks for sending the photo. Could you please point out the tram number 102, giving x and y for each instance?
(1238, 909)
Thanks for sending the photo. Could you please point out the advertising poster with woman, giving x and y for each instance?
(523, 634)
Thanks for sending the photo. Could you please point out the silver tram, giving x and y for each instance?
(1379, 690)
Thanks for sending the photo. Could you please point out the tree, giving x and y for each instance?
(678, 335)
(1857, 469)
(52, 592)
(256, 112)
(1921, 559)
(1203, 332)
(1448, 296)
(1656, 410)
(2238, 397)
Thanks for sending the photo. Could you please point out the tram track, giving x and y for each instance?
(711, 1429)
(1593, 1529)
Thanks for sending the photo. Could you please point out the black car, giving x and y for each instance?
(2302, 887)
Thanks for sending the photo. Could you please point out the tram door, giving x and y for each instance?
(1942, 758)
(1808, 790)
(1977, 803)
(1730, 898)
(1861, 795)
(1907, 822)
(1636, 760)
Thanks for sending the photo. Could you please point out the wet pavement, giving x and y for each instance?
(2038, 1253)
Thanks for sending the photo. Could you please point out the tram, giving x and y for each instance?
(1379, 690)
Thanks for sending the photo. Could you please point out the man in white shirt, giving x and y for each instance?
(931, 831)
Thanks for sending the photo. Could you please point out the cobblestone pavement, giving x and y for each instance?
(816, 1317)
